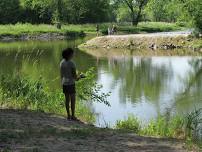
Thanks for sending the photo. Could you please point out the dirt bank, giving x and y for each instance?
(31, 131)
(117, 52)
(41, 36)
(165, 41)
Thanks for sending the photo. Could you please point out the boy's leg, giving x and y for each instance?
(67, 101)
(73, 102)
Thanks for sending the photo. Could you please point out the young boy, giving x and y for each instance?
(68, 77)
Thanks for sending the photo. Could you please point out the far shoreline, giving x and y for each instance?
(41, 36)
(151, 41)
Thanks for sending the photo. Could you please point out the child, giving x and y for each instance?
(97, 29)
(68, 77)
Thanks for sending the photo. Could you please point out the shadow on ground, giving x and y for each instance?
(38, 132)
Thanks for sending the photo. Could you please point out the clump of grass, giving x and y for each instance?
(131, 124)
(193, 123)
(163, 128)
(159, 127)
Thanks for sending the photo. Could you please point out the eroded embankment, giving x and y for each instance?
(32, 131)
(172, 40)
(41, 36)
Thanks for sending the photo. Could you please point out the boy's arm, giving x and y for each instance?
(74, 73)
(61, 73)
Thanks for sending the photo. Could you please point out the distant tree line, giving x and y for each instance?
(50, 11)
(97, 11)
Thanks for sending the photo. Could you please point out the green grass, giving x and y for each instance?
(148, 27)
(21, 92)
(20, 29)
(158, 128)
(196, 43)
(176, 127)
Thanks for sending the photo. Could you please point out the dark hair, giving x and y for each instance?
(67, 53)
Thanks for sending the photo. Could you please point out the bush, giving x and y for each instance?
(74, 34)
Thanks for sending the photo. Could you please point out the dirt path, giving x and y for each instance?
(38, 132)
(157, 34)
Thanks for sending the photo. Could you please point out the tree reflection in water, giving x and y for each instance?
(191, 96)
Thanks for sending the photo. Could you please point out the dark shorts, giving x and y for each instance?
(69, 89)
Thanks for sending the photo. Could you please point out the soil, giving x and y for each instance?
(37, 132)
(155, 41)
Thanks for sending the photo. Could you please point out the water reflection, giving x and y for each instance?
(143, 86)
(147, 87)
(191, 94)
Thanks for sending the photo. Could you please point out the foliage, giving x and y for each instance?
(123, 14)
(164, 10)
(47, 11)
(194, 10)
(135, 7)
(22, 92)
(36, 11)
(9, 11)
(194, 122)
(90, 90)
(88, 11)
(97, 11)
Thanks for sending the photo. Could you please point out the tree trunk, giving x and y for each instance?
(134, 23)
(137, 19)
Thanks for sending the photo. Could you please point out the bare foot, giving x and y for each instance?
(74, 118)
(68, 118)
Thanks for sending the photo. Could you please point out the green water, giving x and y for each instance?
(143, 86)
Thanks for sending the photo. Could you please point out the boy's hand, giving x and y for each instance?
(81, 76)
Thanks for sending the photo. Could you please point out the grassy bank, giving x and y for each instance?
(21, 92)
(186, 128)
(148, 27)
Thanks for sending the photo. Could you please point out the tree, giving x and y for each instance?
(123, 14)
(9, 11)
(88, 11)
(156, 8)
(194, 10)
(37, 11)
(135, 7)
(164, 10)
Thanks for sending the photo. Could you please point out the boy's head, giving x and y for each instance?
(68, 53)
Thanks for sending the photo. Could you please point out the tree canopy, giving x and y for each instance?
(97, 11)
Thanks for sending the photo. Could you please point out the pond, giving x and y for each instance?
(143, 86)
